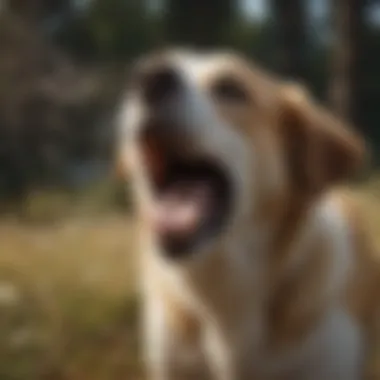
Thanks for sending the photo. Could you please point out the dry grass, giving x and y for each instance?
(67, 296)
(66, 301)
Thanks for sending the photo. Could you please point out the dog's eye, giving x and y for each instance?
(229, 89)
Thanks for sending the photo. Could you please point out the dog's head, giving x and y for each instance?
(218, 139)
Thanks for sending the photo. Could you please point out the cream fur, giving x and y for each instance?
(217, 304)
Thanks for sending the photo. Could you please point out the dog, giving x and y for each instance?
(255, 262)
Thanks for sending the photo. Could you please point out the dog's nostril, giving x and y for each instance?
(159, 84)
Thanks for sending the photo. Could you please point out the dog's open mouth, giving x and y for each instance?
(192, 196)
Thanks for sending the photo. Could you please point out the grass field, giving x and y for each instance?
(67, 307)
(66, 301)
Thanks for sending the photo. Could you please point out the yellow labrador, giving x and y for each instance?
(251, 262)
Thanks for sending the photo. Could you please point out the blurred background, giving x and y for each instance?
(67, 305)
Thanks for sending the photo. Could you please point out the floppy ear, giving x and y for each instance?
(319, 149)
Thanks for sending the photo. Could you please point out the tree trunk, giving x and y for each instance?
(348, 25)
(290, 36)
(201, 24)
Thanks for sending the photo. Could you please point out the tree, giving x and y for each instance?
(108, 30)
(36, 10)
(289, 19)
(189, 23)
(348, 29)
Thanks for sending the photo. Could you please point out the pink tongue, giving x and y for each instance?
(180, 210)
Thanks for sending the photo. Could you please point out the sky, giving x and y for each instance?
(254, 8)
(258, 8)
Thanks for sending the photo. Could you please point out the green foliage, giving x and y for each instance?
(110, 30)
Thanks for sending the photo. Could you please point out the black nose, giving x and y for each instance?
(159, 84)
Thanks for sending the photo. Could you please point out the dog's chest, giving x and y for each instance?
(336, 345)
(215, 290)
(329, 343)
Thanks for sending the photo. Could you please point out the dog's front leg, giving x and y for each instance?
(170, 352)
(231, 355)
